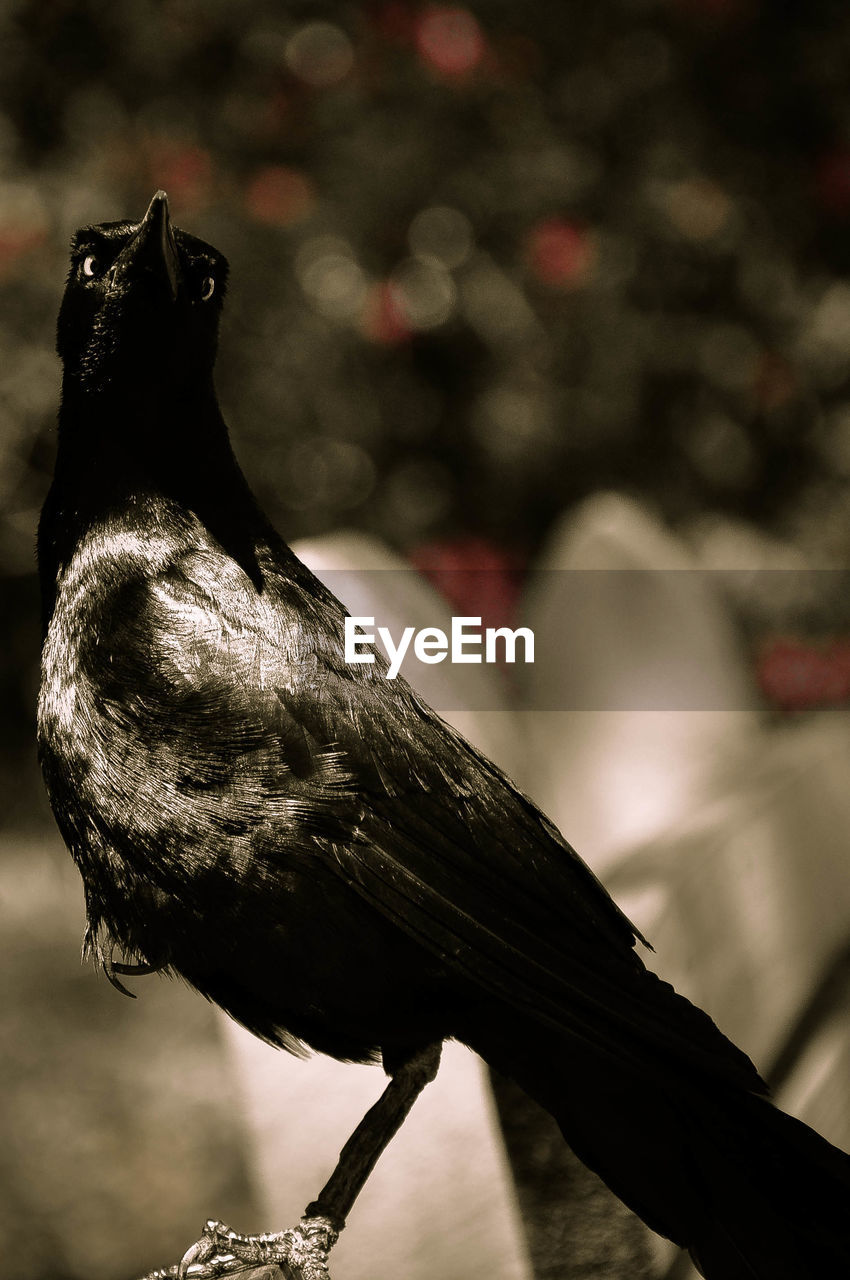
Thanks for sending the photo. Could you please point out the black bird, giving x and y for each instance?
(311, 847)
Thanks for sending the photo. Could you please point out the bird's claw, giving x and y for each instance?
(302, 1252)
(202, 1251)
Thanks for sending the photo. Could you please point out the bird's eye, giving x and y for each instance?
(207, 288)
(91, 265)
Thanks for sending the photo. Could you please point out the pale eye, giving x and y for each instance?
(91, 265)
(207, 288)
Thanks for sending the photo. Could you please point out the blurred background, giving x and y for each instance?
(515, 288)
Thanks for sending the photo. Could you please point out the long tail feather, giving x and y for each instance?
(751, 1192)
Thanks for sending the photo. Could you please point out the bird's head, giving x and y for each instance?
(141, 306)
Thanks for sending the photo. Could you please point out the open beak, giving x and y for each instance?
(153, 247)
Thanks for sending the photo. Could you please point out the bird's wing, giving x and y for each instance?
(457, 856)
(432, 834)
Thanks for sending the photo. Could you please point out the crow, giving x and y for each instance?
(311, 847)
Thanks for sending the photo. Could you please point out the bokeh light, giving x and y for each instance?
(24, 222)
(561, 253)
(279, 195)
(184, 170)
(417, 494)
(384, 318)
(425, 292)
(450, 41)
(441, 233)
(329, 473)
(495, 305)
(698, 208)
(320, 54)
(331, 277)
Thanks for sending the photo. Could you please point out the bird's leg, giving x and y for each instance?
(302, 1251)
(379, 1125)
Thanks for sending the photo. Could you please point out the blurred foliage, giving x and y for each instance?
(485, 259)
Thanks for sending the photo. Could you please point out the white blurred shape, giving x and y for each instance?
(495, 306)
(331, 277)
(425, 291)
(825, 341)
(510, 420)
(758, 896)
(697, 208)
(442, 233)
(651, 663)
(831, 320)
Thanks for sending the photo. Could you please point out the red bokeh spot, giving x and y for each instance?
(383, 318)
(184, 171)
(477, 578)
(278, 195)
(832, 182)
(560, 253)
(450, 41)
(796, 675)
(17, 242)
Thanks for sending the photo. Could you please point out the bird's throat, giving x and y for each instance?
(165, 445)
(164, 437)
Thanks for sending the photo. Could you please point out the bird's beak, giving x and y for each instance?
(153, 245)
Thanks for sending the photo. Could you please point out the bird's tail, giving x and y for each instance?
(751, 1192)
(776, 1196)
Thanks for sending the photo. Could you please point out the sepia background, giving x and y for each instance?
(517, 290)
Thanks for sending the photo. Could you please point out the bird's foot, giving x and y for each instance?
(300, 1252)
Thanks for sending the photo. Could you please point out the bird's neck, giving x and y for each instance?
(165, 444)
(163, 435)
